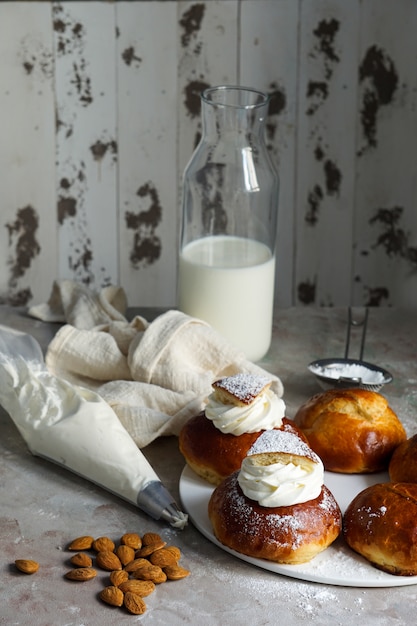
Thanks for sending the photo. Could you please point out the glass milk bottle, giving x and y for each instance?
(229, 217)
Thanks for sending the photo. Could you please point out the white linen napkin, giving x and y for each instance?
(154, 375)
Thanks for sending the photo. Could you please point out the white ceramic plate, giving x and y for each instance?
(338, 565)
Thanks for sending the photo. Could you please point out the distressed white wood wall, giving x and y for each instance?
(99, 113)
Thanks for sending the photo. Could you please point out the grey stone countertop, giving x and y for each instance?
(43, 506)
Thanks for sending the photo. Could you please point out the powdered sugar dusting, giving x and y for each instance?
(349, 371)
(282, 441)
(250, 521)
(244, 387)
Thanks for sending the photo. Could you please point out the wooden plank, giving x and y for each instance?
(326, 151)
(147, 115)
(86, 142)
(268, 61)
(27, 176)
(207, 56)
(386, 216)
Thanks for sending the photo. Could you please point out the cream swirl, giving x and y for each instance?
(264, 413)
(280, 484)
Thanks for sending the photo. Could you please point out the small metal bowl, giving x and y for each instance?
(330, 374)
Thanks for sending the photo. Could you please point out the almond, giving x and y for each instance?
(176, 552)
(81, 543)
(132, 540)
(108, 560)
(162, 558)
(176, 572)
(81, 574)
(27, 566)
(150, 572)
(142, 587)
(81, 559)
(117, 577)
(149, 538)
(150, 543)
(136, 564)
(103, 544)
(125, 553)
(134, 603)
(111, 595)
(150, 548)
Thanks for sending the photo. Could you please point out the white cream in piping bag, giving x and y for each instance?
(279, 483)
(265, 412)
(76, 428)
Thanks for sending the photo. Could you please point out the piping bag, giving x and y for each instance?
(75, 428)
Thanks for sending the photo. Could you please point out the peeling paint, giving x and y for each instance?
(306, 292)
(22, 236)
(66, 126)
(319, 91)
(24, 248)
(37, 60)
(82, 83)
(192, 93)
(100, 148)
(69, 34)
(211, 181)
(70, 193)
(130, 58)
(80, 262)
(28, 67)
(67, 207)
(74, 218)
(333, 177)
(323, 48)
(314, 199)
(146, 245)
(325, 34)
(332, 174)
(393, 239)
(278, 99)
(191, 23)
(376, 296)
(277, 105)
(70, 39)
(379, 78)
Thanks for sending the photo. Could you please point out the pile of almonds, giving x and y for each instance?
(136, 566)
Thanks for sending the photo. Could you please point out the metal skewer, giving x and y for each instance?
(352, 322)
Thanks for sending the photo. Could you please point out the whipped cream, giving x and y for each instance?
(264, 413)
(281, 484)
(73, 427)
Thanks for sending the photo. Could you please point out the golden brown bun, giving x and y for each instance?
(381, 524)
(286, 534)
(403, 464)
(352, 430)
(213, 455)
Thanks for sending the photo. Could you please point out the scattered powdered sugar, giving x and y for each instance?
(349, 370)
(328, 502)
(245, 387)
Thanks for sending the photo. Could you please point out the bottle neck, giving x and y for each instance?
(233, 109)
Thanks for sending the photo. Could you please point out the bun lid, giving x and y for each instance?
(275, 446)
(240, 389)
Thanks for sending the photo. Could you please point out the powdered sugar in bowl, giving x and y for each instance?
(349, 373)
